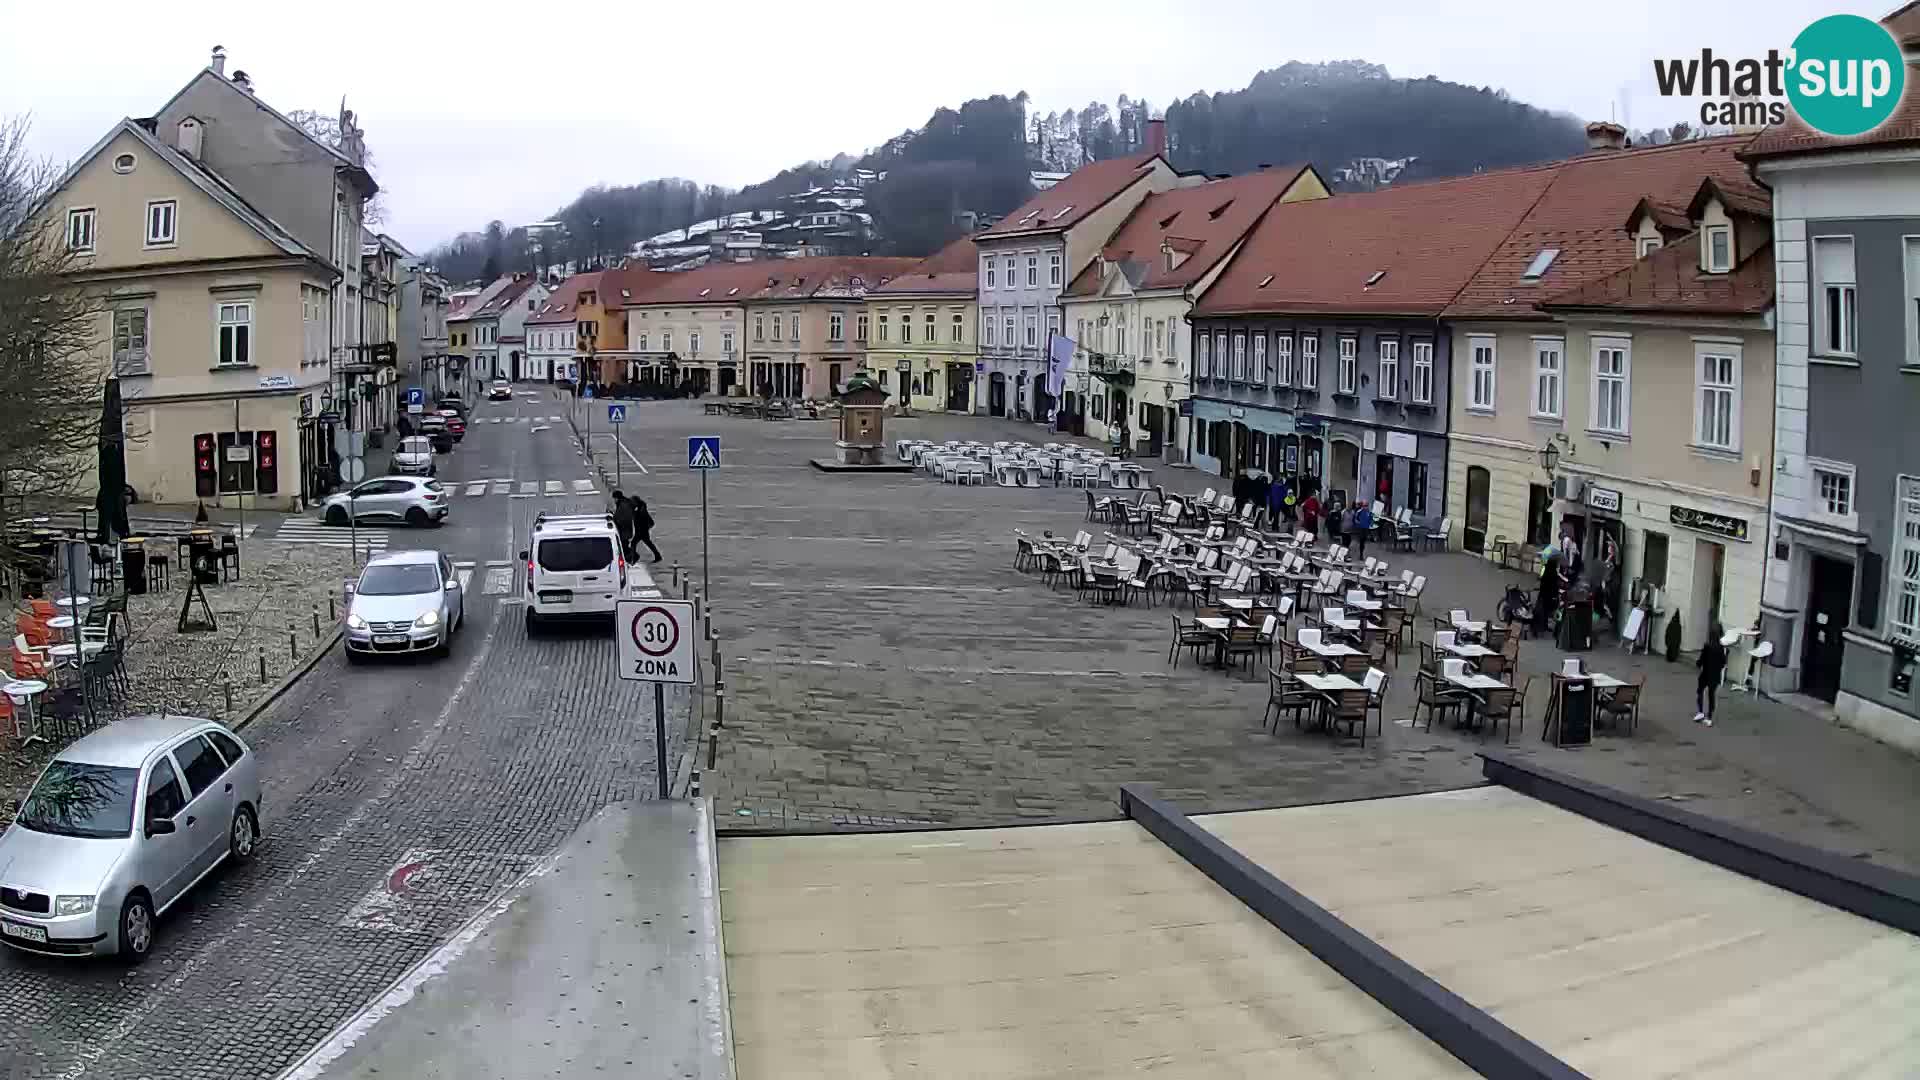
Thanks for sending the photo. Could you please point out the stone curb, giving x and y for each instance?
(286, 682)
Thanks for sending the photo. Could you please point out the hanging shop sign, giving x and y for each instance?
(1603, 499)
(1726, 525)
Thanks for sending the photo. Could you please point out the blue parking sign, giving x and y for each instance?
(616, 414)
(587, 392)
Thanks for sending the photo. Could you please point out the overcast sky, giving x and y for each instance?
(478, 111)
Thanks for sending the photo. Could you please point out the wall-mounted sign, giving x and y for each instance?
(1235, 412)
(1186, 406)
(1403, 444)
(1603, 499)
(1368, 439)
(1687, 517)
(276, 382)
(1307, 425)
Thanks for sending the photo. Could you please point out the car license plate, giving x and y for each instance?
(24, 933)
(389, 639)
(556, 597)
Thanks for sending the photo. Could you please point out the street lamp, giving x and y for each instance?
(1549, 458)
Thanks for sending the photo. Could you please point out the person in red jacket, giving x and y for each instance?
(1310, 514)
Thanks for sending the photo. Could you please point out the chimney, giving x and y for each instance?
(1157, 136)
(244, 81)
(1606, 135)
(188, 140)
(219, 64)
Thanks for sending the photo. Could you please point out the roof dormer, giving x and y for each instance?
(1729, 223)
(1653, 225)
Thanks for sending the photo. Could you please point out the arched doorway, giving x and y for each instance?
(1343, 471)
(1479, 493)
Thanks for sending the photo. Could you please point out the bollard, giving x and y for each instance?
(683, 589)
(293, 642)
(676, 573)
(719, 691)
(226, 688)
(316, 622)
(713, 736)
(332, 615)
(263, 667)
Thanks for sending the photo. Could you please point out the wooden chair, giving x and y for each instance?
(1493, 667)
(1434, 697)
(1510, 652)
(1379, 650)
(1188, 636)
(1355, 665)
(1624, 703)
(1286, 694)
(1429, 659)
(1243, 639)
(1349, 707)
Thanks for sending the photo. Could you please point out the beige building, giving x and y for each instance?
(803, 321)
(919, 330)
(686, 325)
(215, 319)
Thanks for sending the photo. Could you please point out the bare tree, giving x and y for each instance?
(327, 129)
(49, 322)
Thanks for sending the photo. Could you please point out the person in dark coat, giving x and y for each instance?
(1276, 501)
(1549, 595)
(1712, 664)
(1241, 486)
(1262, 484)
(623, 524)
(643, 527)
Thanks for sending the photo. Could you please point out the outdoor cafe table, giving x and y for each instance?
(1468, 626)
(60, 622)
(1220, 628)
(23, 692)
(68, 654)
(73, 603)
(1476, 682)
(1330, 652)
(1364, 605)
(1468, 651)
(1328, 684)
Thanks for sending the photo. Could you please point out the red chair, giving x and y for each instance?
(28, 662)
(34, 630)
(43, 609)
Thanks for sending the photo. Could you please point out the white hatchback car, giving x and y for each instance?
(574, 567)
(118, 828)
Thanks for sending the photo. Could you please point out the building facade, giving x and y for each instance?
(555, 332)
(1842, 599)
(214, 319)
(920, 330)
(1027, 259)
(495, 322)
(685, 327)
(1126, 312)
(804, 323)
(1319, 354)
(423, 329)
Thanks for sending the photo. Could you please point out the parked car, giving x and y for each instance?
(456, 424)
(434, 427)
(501, 390)
(87, 875)
(414, 456)
(454, 402)
(411, 499)
(404, 602)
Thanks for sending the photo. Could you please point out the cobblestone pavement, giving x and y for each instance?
(886, 664)
(399, 798)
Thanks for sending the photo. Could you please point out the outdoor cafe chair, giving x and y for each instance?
(1435, 696)
(1243, 639)
(1286, 694)
(1354, 665)
(1051, 568)
(1100, 509)
(1429, 658)
(1191, 636)
(1623, 704)
(1349, 708)
(1441, 537)
(1023, 553)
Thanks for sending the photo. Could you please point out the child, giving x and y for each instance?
(1712, 663)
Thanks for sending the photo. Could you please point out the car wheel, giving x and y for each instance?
(336, 515)
(416, 517)
(533, 623)
(244, 834)
(136, 928)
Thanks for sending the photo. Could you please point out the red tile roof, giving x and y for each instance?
(714, 283)
(1204, 222)
(1084, 190)
(1902, 128)
(564, 302)
(1425, 240)
(1580, 214)
(1904, 24)
(475, 303)
(506, 297)
(1670, 281)
(953, 269)
(826, 277)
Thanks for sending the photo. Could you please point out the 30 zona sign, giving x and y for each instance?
(656, 640)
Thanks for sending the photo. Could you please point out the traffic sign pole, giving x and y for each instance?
(706, 584)
(656, 646)
(660, 734)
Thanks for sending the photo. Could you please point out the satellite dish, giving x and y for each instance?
(353, 470)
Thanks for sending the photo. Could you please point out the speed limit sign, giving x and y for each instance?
(656, 640)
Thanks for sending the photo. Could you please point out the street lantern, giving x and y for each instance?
(1549, 457)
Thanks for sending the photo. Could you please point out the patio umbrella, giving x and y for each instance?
(112, 499)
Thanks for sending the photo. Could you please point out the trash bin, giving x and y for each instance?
(1576, 621)
(1576, 713)
(133, 565)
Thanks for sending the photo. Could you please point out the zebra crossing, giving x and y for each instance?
(520, 489)
(517, 419)
(311, 533)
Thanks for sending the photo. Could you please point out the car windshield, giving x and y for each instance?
(576, 553)
(399, 579)
(77, 799)
(415, 445)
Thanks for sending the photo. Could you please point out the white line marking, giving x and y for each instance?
(501, 487)
(466, 576)
(637, 463)
(554, 487)
(467, 565)
(583, 487)
(529, 487)
(537, 427)
(478, 487)
(802, 586)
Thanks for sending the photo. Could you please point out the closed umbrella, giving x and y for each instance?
(112, 500)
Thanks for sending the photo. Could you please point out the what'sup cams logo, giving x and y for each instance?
(1843, 76)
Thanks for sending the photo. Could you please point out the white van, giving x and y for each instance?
(574, 567)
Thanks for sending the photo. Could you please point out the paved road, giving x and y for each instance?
(444, 779)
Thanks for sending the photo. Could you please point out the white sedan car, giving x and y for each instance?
(502, 390)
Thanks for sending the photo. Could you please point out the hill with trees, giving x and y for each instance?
(1353, 120)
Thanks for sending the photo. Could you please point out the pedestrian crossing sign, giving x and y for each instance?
(616, 414)
(703, 451)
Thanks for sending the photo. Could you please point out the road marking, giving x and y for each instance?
(315, 534)
(499, 581)
(537, 427)
(583, 487)
(477, 487)
(553, 419)
(801, 586)
(529, 487)
(465, 576)
(637, 463)
(554, 487)
(501, 487)
(493, 419)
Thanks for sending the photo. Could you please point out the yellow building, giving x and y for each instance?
(803, 319)
(214, 318)
(919, 330)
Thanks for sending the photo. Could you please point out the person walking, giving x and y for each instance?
(1262, 488)
(643, 528)
(1276, 502)
(1310, 515)
(623, 524)
(1712, 664)
(1362, 527)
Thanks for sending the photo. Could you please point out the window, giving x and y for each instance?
(987, 336)
(228, 746)
(885, 378)
(1646, 245)
(1033, 330)
(1310, 362)
(693, 342)
(1173, 340)
(1006, 326)
(164, 797)
(200, 763)
(80, 230)
(1423, 372)
(1283, 360)
(1033, 270)
(1833, 269)
(1542, 260)
(1716, 420)
(860, 328)
(1904, 620)
(1053, 325)
(726, 342)
(1203, 359)
(130, 341)
(160, 222)
(1653, 559)
(793, 325)
(1259, 373)
(1417, 487)
(993, 275)
(1120, 339)
(1347, 371)
(931, 335)
(1389, 369)
(1611, 370)
(776, 328)
(1481, 373)
(1221, 369)
(836, 327)
(1239, 356)
(959, 330)
(124, 163)
(1006, 267)
(1053, 269)
(1097, 403)
(759, 328)
(1833, 492)
(1719, 249)
(1548, 363)
(640, 343)
(666, 341)
(236, 333)
(906, 327)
